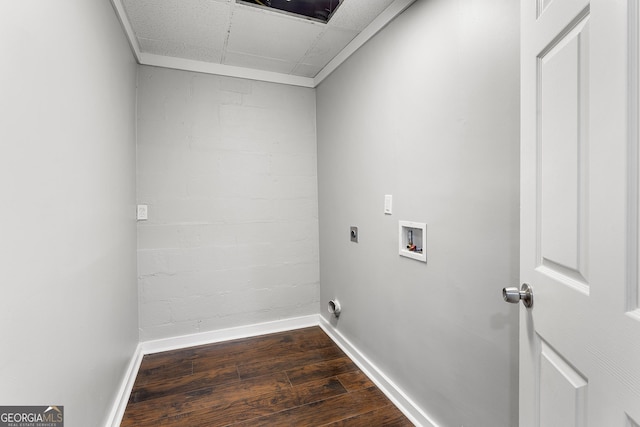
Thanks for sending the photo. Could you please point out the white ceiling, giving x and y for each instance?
(232, 38)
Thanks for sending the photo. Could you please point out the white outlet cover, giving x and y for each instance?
(142, 213)
(388, 204)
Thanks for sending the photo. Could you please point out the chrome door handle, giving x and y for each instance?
(514, 296)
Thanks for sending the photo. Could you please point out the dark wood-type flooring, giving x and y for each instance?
(294, 378)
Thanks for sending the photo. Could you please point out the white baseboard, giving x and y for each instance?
(210, 337)
(388, 387)
(384, 383)
(117, 412)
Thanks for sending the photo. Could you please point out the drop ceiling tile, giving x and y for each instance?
(240, 59)
(268, 34)
(307, 70)
(328, 45)
(191, 22)
(180, 50)
(357, 14)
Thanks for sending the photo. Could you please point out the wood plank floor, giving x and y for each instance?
(295, 378)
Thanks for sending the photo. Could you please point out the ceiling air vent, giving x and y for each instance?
(320, 10)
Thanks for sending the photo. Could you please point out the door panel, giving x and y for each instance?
(562, 147)
(563, 391)
(580, 214)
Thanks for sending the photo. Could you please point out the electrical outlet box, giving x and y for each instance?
(353, 234)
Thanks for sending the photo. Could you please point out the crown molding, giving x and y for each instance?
(223, 70)
(118, 7)
(381, 21)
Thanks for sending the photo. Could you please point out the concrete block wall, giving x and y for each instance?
(227, 167)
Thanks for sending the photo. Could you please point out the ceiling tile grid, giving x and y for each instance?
(236, 34)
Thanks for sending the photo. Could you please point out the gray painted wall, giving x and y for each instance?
(428, 111)
(68, 311)
(228, 169)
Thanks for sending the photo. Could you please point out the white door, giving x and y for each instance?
(580, 342)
